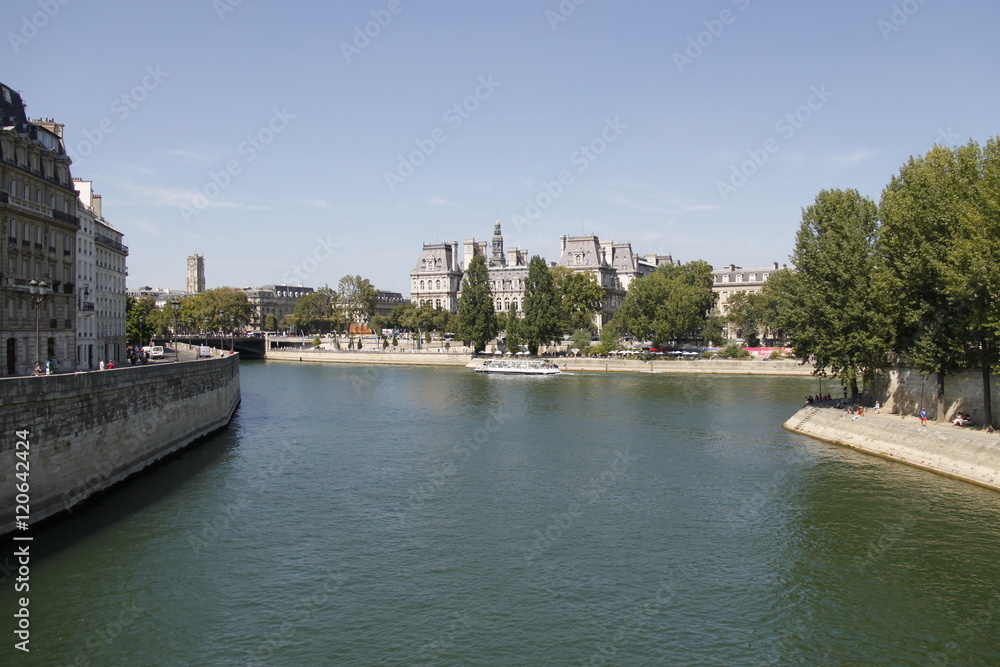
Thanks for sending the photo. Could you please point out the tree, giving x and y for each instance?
(314, 311)
(927, 211)
(671, 304)
(582, 297)
(542, 322)
(270, 322)
(775, 302)
(357, 298)
(513, 328)
(744, 314)
(476, 322)
(837, 317)
(137, 316)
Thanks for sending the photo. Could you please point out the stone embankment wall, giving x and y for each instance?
(967, 454)
(905, 390)
(89, 431)
(722, 366)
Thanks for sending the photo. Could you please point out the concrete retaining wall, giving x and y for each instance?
(725, 366)
(967, 454)
(904, 390)
(89, 431)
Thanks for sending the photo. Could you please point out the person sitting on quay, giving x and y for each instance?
(962, 419)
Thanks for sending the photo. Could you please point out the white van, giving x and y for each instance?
(204, 351)
(155, 351)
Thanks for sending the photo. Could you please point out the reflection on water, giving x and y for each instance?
(395, 515)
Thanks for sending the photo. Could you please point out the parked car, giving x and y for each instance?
(155, 351)
(204, 351)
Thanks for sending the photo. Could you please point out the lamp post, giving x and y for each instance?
(142, 325)
(175, 306)
(38, 290)
(232, 333)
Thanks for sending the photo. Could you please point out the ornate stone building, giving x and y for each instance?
(614, 265)
(437, 277)
(277, 300)
(38, 227)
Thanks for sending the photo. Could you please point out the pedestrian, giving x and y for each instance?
(845, 392)
(103, 365)
(923, 417)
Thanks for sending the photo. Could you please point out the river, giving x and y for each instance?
(400, 515)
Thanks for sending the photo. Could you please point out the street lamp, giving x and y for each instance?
(38, 290)
(232, 333)
(142, 324)
(175, 305)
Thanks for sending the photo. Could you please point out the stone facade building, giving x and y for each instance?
(195, 274)
(437, 278)
(614, 265)
(110, 255)
(277, 300)
(732, 279)
(38, 227)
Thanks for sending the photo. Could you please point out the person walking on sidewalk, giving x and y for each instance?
(923, 417)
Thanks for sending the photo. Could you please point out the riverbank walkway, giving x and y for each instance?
(967, 453)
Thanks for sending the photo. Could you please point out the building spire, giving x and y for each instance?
(497, 257)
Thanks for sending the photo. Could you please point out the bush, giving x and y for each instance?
(733, 352)
(316, 341)
(708, 354)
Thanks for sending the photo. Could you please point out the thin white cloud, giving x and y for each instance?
(850, 159)
(441, 201)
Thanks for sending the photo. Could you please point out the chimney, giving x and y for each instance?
(775, 266)
(97, 206)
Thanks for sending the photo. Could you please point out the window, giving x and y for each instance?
(753, 277)
(739, 277)
(764, 277)
(725, 278)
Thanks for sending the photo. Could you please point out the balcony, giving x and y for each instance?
(29, 205)
(66, 217)
(87, 306)
(111, 243)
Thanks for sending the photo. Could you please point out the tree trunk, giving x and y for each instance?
(987, 397)
(940, 397)
(854, 390)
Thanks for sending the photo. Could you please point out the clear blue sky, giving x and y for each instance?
(300, 121)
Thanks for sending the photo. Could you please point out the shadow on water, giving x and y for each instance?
(123, 500)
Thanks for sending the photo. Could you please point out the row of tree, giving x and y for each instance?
(224, 310)
(327, 309)
(674, 303)
(913, 279)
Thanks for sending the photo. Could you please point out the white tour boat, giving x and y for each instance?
(521, 366)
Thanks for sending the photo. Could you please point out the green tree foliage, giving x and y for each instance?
(940, 255)
(542, 321)
(775, 302)
(138, 319)
(223, 309)
(671, 304)
(582, 298)
(270, 322)
(838, 318)
(357, 298)
(314, 312)
(744, 314)
(476, 323)
(512, 325)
